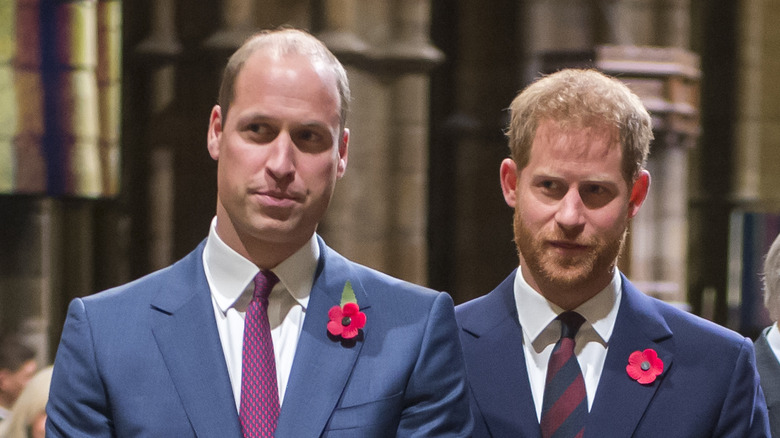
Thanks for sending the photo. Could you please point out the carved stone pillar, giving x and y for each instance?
(388, 55)
(758, 125)
(236, 24)
(755, 216)
(28, 271)
(471, 225)
(160, 50)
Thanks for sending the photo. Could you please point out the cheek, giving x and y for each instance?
(534, 214)
(610, 220)
(318, 173)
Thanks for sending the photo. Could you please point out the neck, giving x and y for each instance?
(566, 295)
(264, 253)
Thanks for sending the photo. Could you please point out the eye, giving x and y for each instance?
(551, 188)
(593, 189)
(260, 132)
(310, 136)
(596, 195)
(312, 139)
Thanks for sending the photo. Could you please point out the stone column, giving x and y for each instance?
(755, 218)
(236, 24)
(472, 225)
(757, 164)
(160, 50)
(28, 271)
(378, 216)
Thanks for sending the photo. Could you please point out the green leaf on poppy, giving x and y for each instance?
(348, 295)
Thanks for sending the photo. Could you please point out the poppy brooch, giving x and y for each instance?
(644, 366)
(346, 320)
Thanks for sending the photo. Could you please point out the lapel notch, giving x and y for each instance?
(186, 333)
(322, 363)
(620, 401)
(493, 342)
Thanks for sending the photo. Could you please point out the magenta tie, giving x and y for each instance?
(259, 409)
(564, 407)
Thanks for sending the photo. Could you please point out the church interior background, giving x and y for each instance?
(105, 177)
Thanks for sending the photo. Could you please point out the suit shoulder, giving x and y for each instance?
(372, 280)
(476, 305)
(501, 299)
(688, 327)
(142, 289)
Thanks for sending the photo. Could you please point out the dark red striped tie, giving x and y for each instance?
(259, 408)
(565, 406)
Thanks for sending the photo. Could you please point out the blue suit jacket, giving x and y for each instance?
(145, 359)
(769, 370)
(709, 387)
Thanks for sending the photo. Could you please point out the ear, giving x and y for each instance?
(343, 154)
(508, 175)
(638, 193)
(215, 132)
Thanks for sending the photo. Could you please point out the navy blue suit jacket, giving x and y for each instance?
(769, 370)
(709, 386)
(145, 359)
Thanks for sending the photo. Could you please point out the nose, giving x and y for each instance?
(570, 210)
(281, 160)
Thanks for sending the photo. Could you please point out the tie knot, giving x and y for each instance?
(570, 323)
(264, 282)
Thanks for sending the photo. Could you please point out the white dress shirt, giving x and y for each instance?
(230, 277)
(541, 332)
(773, 338)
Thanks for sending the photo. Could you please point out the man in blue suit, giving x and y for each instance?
(355, 352)
(768, 342)
(566, 345)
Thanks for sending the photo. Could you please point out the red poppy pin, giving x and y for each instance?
(644, 366)
(347, 319)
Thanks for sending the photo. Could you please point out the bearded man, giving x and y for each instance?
(566, 346)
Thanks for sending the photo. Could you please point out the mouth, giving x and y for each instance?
(278, 199)
(567, 246)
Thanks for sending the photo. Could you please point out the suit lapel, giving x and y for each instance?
(499, 379)
(322, 364)
(768, 368)
(620, 401)
(186, 333)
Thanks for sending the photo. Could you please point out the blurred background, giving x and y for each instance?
(105, 176)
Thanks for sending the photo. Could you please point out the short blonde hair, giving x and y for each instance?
(581, 98)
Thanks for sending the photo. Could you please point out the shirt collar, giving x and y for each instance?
(773, 338)
(536, 313)
(229, 273)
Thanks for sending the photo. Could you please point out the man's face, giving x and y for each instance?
(279, 153)
(13, 382)
(572, 207)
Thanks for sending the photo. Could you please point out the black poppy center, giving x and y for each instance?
(345, 321)
(645, 366)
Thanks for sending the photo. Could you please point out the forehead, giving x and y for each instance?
(576, 147)
(288, 78)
